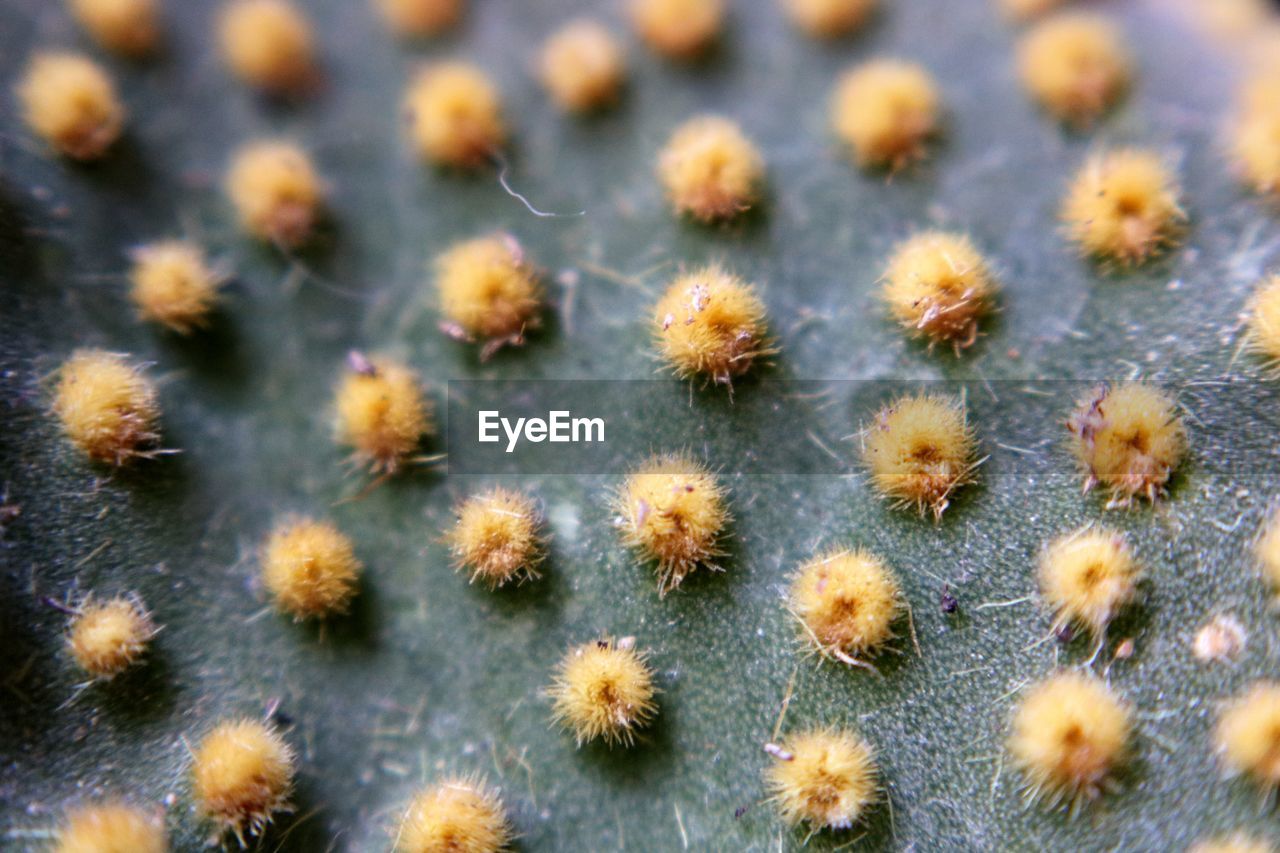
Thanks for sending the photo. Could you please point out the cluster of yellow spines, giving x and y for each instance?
(1255, 136)
(672, 510)
(496, 537)
(382, 412)
(710, 325)
(107, 636)
(276, 192)
(938, 286)
(310, 568)
(604, 690)
(1069, 734)
(242, 776)
(1129, 438)
(710, 170)
(71, 103)
(456, 814)
(112, 827)
(173, 285)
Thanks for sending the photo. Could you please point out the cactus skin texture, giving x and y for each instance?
(428, 677)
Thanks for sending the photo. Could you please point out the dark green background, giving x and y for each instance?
(430, 675)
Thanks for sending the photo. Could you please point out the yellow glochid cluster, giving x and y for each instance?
(886, 111)
(604, 690)
(172, 284)
(1123, 207)
(1127, 437)
(455, 116)
(1070, 732)
(1237, 842)
(1247, 735)
(268, 44)
(1255, 134)
(1267, 550)
(1088, 576)
(919, 450)
(421, 18)
(828, 19)
(496, 537)
(276, 192)
(242, 776)
(457, 814)
(825, 777)
(709, 324)
(112, 827)
(938, 286)
(1075, 66)
(489, 291)
(672, 511)
(710, 170)
(107, 636)
(1263, 333)
(70, 102)
(310, 569)
(678, 29)
(107, 406)
(847, 602)
(582, 66)
(127, 27)
(381, 412)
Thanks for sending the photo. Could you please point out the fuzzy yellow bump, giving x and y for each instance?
(382, 412)
(829, 18)
(709, 323)
(1123, 206)
(310, 568)
(419, 18)
(604, 689)
(679, 29)
(455, 115)
(710, 170)
(1127, 437)
(489, 291)
(919, 450)
(112, 827)
(1237, 842)
(1255, 134)
(173, 285)
(128, 27)
(847, 602)
(673, 512)
(242, 775)
(1264, 320)
(823, 777)
(1025, 10)
(1267, 550)
(582, 66)
(496, 537)
(71, 103)
(887, 111)
(106, 637)
(1086, 577)
(1075, 66)
(276, 192)
(268, 44)
(107, 406)
(1070, 732)
(455, 816)
(1248, 735)
(938, 286)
